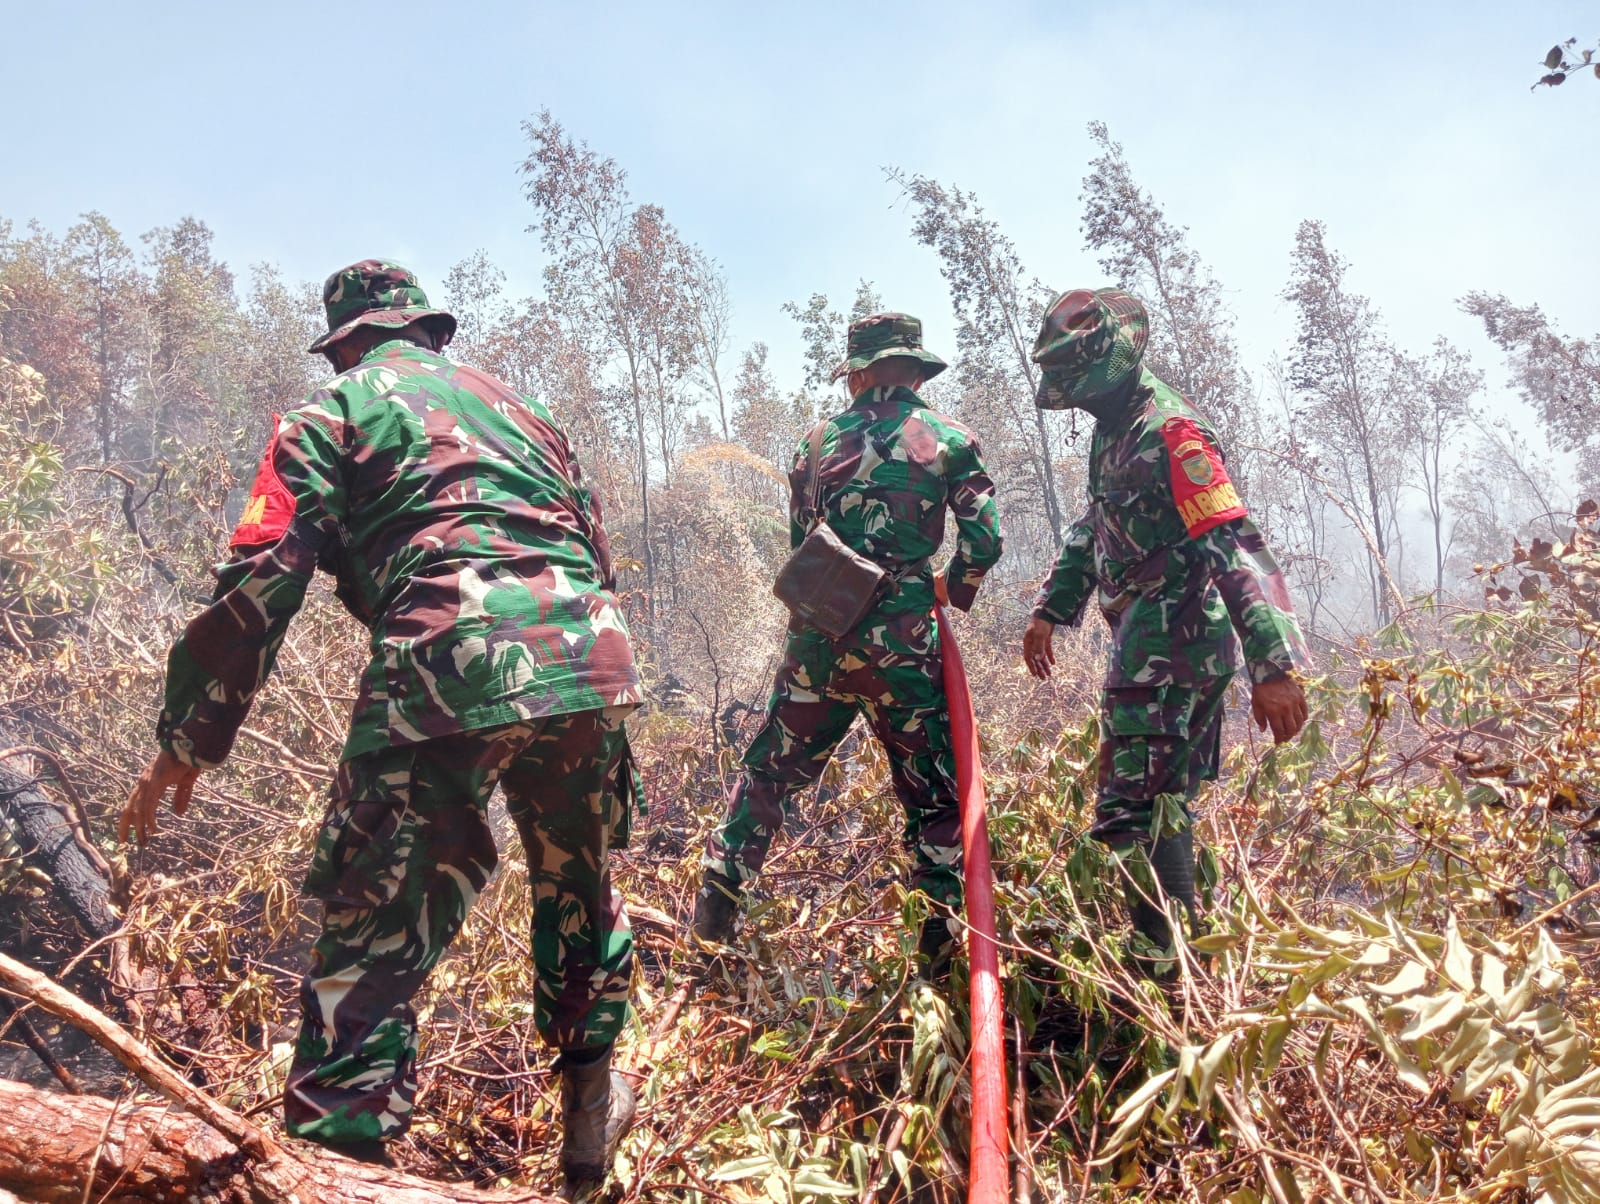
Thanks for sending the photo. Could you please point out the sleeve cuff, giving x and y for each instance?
(961, 594)
(1262, 672)
(961, 583)
(183, 751)
(182, 747)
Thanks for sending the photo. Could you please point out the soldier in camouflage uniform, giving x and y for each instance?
(1179, 567)
(453, 517)
(890, 467)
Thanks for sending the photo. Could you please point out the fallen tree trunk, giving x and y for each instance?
(55, 840)
(80, 1147)
(61, 1149)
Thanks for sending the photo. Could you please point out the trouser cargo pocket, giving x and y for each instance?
(366, 840)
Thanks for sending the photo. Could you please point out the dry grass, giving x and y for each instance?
(1383, 871)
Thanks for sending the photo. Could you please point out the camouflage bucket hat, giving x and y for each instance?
(1091, 341)
(375, 292)
(882, 336)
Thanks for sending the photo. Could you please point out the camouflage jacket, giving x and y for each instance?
(890, 466)
(453, 518)
(1174, 553)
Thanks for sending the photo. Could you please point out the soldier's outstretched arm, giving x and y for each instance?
(1279, 704)
(218, 665)
(1061, 600)
(978, 542)
(1242, 569)
(1257, 598)
(165, 772)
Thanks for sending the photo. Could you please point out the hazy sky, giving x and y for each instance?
(312, 135)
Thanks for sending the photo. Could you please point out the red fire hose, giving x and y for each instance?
(988, 1181)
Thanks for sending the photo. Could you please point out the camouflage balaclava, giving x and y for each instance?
(1089, 347)
(376, 292)
(882, 336)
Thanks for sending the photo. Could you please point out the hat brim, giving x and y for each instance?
(855, 363)
(392, 318)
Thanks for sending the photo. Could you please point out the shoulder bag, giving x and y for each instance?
(825, 583)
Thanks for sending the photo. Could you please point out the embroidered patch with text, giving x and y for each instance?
(1201, 487)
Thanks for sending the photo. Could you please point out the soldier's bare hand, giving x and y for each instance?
(1038, 647)
(1279, 704)
(165, 772)
(941, 590)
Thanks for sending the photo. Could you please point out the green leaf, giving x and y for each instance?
(1324, 1044)
(1471, 1038)
(860, 1164)
(1405, 1069)
(1213, 943)
(1375, 954)
(1436, 1012)
(1272, 1043)
(1174, 1100)
(1308, 980)
(1553, 59)
(777, 1188)
(901, 1162)
(1484, 1069)
(772, 1044)
(1492, 982)
(1130, 1117)
(813, 1180)
(1457, 957)
(1413, 976)
(1188, 1059)
(1208, 1066)
(743, 1168)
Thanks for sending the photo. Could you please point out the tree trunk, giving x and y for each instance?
(1052, 507)
(153, 1152)
(68, 1148)
(47, 834)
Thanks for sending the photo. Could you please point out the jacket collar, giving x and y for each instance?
(886, 395)
(390, 347)
(1117, 412)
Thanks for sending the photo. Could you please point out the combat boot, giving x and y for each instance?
(716, 908)
(937, 945)
(1172, 865)
(597, 1109)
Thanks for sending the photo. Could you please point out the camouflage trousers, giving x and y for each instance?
(888, 670)
(402, 856)
(1155, 740)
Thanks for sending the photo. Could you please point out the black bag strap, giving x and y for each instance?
(813, 511)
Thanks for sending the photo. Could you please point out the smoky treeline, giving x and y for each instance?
(1381, 473)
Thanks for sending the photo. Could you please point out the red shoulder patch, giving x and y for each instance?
(1201, 487)
(271, 506)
